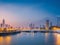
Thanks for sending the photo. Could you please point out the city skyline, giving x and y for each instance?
(22, 12)
(29, 22)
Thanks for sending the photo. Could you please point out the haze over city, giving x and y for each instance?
(29, 22)
(23, 12)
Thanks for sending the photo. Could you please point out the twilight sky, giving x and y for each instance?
(22, 12)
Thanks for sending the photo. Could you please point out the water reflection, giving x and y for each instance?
(31, 39)
(30, 34)
(50, 39)
(57, 39)
(26, 34)
(5, 40)
(46, 37)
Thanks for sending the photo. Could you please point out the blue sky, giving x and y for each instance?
(22, 12)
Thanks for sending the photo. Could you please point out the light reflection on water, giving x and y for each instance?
(58, 39)
(25, 38)
(5, 40)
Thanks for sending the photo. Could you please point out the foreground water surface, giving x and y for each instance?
(25, 38)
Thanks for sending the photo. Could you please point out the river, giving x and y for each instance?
(31, 38)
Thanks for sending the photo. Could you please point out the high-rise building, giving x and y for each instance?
(58, 21)
(3, 22)
(47, 25)
(50, 24)
(31, 26)
(0, 25)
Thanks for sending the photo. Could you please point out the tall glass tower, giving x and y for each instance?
(58, 21)
(3, 22)
(47, 25)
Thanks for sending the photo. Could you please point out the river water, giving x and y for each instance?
(25, 38)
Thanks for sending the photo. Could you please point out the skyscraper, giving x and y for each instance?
(50, 24)
(47, 25)
(3, 22)
(31, 26)
(58, 21)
